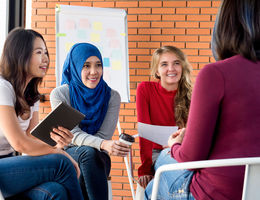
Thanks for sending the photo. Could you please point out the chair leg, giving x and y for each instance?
(110, 196)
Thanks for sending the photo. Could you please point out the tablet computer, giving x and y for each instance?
(63, 115)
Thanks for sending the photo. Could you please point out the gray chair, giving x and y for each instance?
(251, 189)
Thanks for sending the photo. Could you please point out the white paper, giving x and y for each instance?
(157, 134)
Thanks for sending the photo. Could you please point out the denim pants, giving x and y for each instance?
(39, 177)
(95, 168)
(173, 185)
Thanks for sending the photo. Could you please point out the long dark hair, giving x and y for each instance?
(182, 98)
(237, 30)
(14, 67)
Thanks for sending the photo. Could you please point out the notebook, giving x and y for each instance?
(63, 115)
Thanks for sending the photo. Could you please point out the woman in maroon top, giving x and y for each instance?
(224, 117)
(165, 102)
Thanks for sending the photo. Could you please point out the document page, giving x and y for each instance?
(157, 134)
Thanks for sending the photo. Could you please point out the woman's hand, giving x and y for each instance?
(115, 148)
(61, 136)
(176, 137)
(144, 180)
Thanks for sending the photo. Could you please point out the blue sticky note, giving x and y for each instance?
(106, 62)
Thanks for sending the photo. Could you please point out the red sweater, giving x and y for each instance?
(224, 122)
(154, 106)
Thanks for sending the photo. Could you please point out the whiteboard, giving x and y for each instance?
(106, 28)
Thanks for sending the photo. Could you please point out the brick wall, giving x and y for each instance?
(151, 24)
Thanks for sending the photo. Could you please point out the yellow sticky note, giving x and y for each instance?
(116, 65)
(94, 37)
(97, 26)
(123, 34)
(68, 45)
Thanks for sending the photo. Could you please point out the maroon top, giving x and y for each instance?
(224, 122)
(154, 106)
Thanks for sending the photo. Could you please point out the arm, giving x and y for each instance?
(204, 110)
(107, 128)
(143, 115)
(17, 138)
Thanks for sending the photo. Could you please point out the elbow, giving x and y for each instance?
(20, 147)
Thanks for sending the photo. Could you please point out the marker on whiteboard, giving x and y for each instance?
(57, 9)
(61, 34)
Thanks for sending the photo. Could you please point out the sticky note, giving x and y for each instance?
(61, 34)
(94, 37)
(97, 26)
(82, 34)
(110, 32)
(70, 24)
(68, 45)
(84, 23)
(106, 62)
(116, 65)
(116, 54)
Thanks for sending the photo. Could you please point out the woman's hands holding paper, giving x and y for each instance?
(176, 137)
(61, 136)
(144, 180)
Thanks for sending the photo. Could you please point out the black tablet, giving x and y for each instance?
(63, 115)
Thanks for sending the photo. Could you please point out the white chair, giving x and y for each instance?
(1, 196)
(251, 189)
(110, 196)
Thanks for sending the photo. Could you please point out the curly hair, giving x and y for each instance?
(14, 67)
(183, 96)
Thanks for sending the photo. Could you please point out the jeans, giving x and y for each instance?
(39, 177)
(173, 185)
(95, 168)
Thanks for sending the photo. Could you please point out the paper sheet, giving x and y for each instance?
(157, 134)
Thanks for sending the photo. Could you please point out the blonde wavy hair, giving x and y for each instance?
(183, 96)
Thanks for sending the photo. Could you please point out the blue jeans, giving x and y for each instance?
(95, 168)
(39, 177)
(173, 185)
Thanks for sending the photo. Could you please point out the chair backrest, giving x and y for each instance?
(1, 196)
(251, 188)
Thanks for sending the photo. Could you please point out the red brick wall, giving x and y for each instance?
(151, 24)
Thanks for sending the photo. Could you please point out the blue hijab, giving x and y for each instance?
(91, 102)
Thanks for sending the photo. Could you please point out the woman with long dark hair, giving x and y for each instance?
(45, 172)
(224, 116)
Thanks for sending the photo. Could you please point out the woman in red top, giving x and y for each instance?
(165, 102)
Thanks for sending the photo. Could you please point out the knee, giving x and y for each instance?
(87, 154)
(49, 191)
(60, 162)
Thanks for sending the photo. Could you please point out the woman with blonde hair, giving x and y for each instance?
(165, 102)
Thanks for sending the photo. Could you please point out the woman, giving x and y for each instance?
(84, 89)
(224, 118)
(47, 172)
(164, 103)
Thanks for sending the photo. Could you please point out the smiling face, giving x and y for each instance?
(39, 61)
(169, 70)
(91, 72)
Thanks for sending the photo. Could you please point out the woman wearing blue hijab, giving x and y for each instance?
(84, 89)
